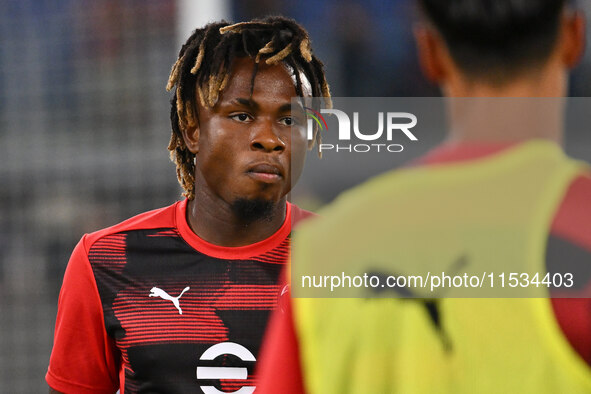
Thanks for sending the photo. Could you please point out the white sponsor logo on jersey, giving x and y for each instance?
(241, 373)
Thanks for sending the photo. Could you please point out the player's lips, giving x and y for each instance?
(265, 172)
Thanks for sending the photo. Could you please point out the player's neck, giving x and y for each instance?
(216, 222)
(525, 109)
(546, 80)
(506, 119)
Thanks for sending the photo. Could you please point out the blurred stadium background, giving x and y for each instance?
(84, 125)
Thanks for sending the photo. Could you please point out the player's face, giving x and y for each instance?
(245, 143)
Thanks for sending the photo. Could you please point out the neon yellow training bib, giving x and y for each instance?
(495, 213)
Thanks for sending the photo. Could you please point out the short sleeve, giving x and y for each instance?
(84, 358)
(279, 364)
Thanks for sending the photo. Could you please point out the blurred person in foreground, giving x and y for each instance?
(499, 192)
(177, 299)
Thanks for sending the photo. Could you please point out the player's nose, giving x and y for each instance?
(266, 138)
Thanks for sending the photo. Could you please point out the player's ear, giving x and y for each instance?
(572, 38)
(191, 137)
(430, 49)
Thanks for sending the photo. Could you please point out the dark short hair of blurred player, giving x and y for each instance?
(497, 44)
(499, 191)
(162, 301)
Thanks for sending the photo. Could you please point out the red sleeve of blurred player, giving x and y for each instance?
(279, 364)
(569, 250)
(84, 359)
(279, 368)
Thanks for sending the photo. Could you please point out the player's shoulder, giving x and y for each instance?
(577, 197)
(572, 220)
(352, 212)
(164, 217)
(579, 190)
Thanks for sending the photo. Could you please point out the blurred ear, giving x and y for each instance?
(431, 52)
(572, 39)
(191, 137)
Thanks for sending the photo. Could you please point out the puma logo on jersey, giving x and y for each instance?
(158, 292)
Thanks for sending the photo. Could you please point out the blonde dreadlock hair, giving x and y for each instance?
(203, 66)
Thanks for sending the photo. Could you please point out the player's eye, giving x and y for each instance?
(287, 121)
(241, 117)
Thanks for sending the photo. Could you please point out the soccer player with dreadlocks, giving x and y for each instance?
(177, 299)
